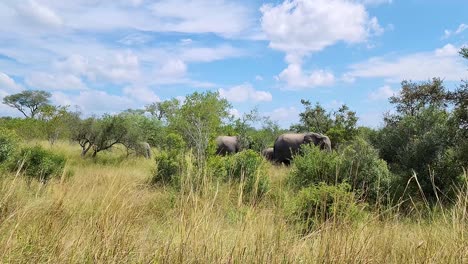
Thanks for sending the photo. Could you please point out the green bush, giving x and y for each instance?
(249, 168)
(356, 163)
(314, 166)
(318, 203)
(218, 166)
(40, 164)
(168, 169)
(362, 168)
(423, 144)
(8, 144)
(172, 142)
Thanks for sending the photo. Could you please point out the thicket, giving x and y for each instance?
(8, 144)
(357, 164)
(316, 204)
(38, 163)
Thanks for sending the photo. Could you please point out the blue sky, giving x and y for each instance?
(110, 55)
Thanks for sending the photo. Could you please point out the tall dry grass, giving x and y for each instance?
(107, 213)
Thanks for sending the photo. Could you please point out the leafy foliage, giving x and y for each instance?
(423, 137)
(25, 128)
(168, 168)
(318, 203)
(8, 144)
(28, 100)
(57, 121)
(339, 126)
(199, 120)
(357, 164)
(40, 164)
(101, 134)
(249, 169)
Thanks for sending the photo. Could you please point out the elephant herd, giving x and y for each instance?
(285, 147)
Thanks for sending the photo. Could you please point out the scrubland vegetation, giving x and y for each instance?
(107, 212)
(75, 189)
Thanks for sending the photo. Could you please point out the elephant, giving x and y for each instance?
(227, 145)
(268, 153)
(144, 149)
(287, 145)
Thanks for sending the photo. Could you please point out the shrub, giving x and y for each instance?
(249, 168)
(168, 169)
(173, 142)
(357, 164)
(362, 168)
(424, 144)
(41, 164)
(8, 144)
(218, 166)
(318, 203)
(314, 166)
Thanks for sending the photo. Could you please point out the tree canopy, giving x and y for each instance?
(28, 102)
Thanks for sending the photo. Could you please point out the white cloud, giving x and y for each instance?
(116, 67)
(36, 13)
(299, 27)
(295, 78)
(200, 16)
(173, 68)
(135, 39)
(371, 119)
(47, 81)
(222, 17)
(186, 41)
(7, 84)
(208, 54)
(245, 92)
(235, 113)
(141, 94)
(258, 78)
(382, 93)
(375, 2)
(444, 63)
(95, 102)
(447, 51)
(448, 33)
(285, 116)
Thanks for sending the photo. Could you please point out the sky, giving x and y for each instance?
(105, 56)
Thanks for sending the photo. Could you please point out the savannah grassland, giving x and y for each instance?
(106, 212)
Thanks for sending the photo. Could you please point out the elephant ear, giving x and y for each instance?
(309, 138)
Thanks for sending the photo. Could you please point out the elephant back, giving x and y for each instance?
(227, 145)
(286, 145)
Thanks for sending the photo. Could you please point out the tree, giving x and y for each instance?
(265, 136)
(339, 126)
(199, 120)
(101, 134)
(57, 120)
(32, 100)
(243, 127)
(163, 110)
(416, 96)
(464, 52)
(313, 119)
(423, 137)
(141, 128)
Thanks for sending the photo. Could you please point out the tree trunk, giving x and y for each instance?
(85, 150)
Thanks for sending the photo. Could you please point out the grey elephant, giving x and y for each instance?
(227, 145)
(289, 144)
(144, 149)
(268, 153)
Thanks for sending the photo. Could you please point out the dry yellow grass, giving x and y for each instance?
(108, 214)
